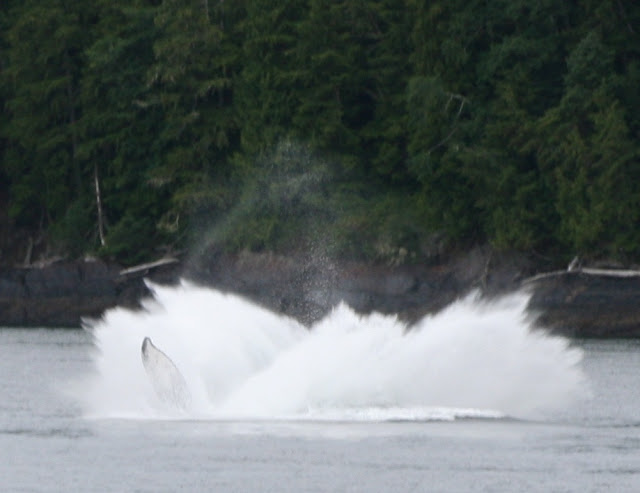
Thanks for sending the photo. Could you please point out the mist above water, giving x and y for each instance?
(241, 361)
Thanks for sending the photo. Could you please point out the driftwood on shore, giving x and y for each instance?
(142, 269)
(589, 271)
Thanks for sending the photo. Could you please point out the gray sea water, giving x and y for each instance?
(51, 440)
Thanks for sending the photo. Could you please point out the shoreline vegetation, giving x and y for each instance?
(387, 131)
(389, 140)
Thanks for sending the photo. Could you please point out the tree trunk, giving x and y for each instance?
(99, 205)
(205, 5)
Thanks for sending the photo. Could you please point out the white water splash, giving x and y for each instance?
(240, 361)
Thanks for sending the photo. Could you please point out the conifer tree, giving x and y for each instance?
(44, 63)
(196, 57)
(438, 102)
(504, 122)
(119, 128)
(585, 142)
(387, 48)
(334, 99)
(5, 22)
(265, 96)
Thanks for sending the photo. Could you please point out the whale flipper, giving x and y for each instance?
(165, 377)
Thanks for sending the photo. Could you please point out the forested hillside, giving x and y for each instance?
(380, 129)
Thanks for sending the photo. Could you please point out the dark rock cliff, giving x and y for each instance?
(60, 294)
(578, 304)
(571, 303)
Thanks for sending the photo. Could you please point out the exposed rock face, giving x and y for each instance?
(581, 305)
(570, 303)
(60, 294)
(307, 288)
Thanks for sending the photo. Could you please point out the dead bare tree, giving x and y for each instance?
(99, 205)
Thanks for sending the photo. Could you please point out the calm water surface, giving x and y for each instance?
(46, 444)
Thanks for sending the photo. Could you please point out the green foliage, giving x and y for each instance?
(133, 237)
(195, 59)
(44, 57)
(387, 49)
(585, 142)
(436, 145)
(333, 101)
(380, 129)
(283, 202)
(72, 233)
(265, 95)
(118, 125)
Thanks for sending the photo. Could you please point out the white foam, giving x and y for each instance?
(241, 361)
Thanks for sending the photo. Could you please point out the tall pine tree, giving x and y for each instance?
(119, 129)
(196, 57)
(265, 96)
(44, 63)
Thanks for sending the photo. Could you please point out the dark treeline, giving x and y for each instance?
(381, 129)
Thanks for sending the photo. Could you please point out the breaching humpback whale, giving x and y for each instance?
(165, 377)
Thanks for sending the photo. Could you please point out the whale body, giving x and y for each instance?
(167, 381)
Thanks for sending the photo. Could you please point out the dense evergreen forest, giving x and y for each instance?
(378, 129)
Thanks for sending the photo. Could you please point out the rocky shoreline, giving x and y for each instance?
(573, 303)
